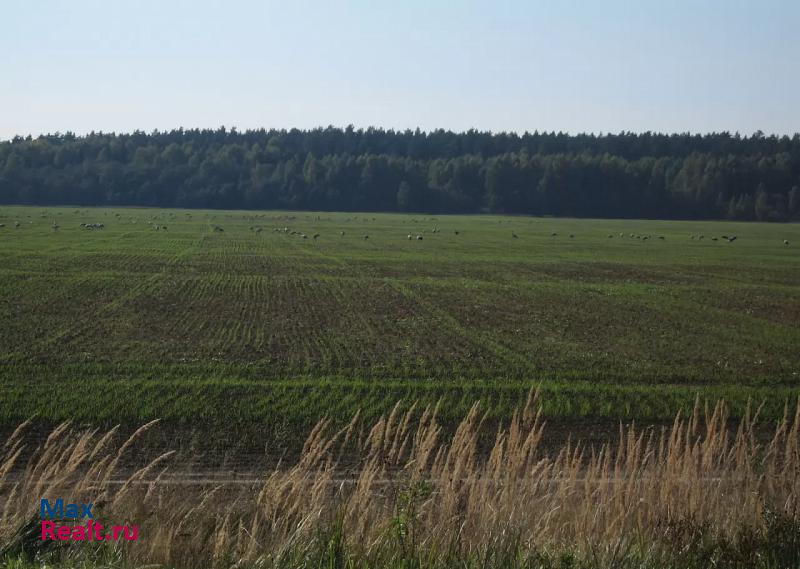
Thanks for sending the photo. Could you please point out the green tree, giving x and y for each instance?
(793, 206)
(403, 196)
(762, 209)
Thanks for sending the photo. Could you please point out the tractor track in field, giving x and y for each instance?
(478, 339)
(82, 325)
(223, 479)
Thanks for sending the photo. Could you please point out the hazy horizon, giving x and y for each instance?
(424, 130)
(511, 66)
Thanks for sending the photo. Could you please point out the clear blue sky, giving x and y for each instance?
(576, 66)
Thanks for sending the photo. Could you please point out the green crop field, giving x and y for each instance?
(230, 317)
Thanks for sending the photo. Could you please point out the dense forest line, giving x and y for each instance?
(651, 175)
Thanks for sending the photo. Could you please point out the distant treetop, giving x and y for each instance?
(717, 175)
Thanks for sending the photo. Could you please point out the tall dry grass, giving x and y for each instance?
(414, 491)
